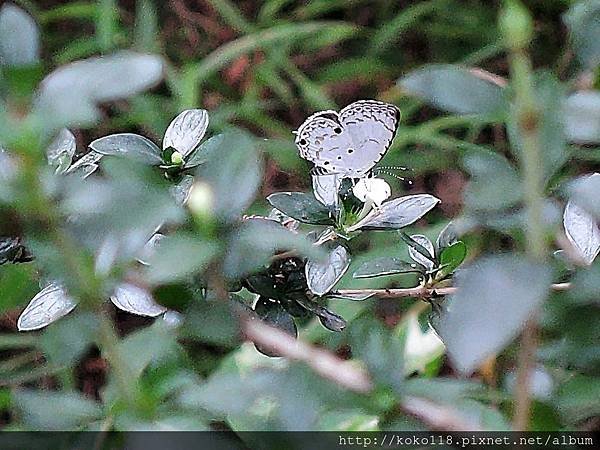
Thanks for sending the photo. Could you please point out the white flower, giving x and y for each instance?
(185, 132)
(372, 190)
(201, 199)
(581, 227)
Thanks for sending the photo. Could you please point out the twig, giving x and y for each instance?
(323, 362)
(436, 416)
(518, 31)
(420, 292)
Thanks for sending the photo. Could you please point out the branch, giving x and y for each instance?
(438, 417)
(420, 292)
(323, 362)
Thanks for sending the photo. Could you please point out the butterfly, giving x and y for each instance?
(351, 142)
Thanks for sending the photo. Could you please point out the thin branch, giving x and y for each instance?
(323, 362)
(419, 292)
(438, 417)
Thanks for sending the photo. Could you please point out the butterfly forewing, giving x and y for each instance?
(349, 143)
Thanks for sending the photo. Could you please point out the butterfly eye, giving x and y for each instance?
(337, 130)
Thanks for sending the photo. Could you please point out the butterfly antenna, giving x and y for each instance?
(395, 168)
(387, 171)
(391, 174)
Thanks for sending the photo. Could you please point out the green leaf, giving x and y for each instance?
(582, 117)
(146, 26)
(322, 276)
(234, 176)
(18, 285)
(286, 32)
(19, 37)
(550, 101)
(66, 341)
(450, 258)
(256, 241)
(301, 206)
(61, 150)
(379, 348)
(128, 145)
(386, 265)
(447, 237)
(407, 19)
(584, 192)
(179, 256)
(494, 184)
(39, 409)
(70, 94)
(274, 314)
(348, 420)
(419, 249)
(583, 20)
(579, 398)
(400, 212)
(115, 215)
(456, 89)
(495, 297)
(215, 322)
(330, 320)
(146, 346)
(207, 150)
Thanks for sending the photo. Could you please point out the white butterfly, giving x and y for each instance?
(350, 142)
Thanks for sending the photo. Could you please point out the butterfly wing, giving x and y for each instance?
(326, 186)
(349, 143)
(322, 140)
(372, 126)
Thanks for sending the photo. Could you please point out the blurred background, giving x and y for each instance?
(267, 65)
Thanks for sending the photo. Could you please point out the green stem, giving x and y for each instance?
(125, 380)
(528, 117)
(40, 211)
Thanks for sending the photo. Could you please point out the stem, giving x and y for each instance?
(323, 362)
(420, 292)
(528, 118)
(108, 340)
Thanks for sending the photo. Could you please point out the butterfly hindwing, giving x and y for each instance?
(372, 126)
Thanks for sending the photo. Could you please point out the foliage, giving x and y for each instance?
(317, 302)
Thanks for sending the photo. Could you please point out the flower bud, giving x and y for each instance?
(516, 25)
(200, 200)
(177, 158)
(372, 190)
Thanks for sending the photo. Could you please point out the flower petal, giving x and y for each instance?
(186, 130)
(582, 231)
(136, 300)
(375, 190)
(50, 304)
